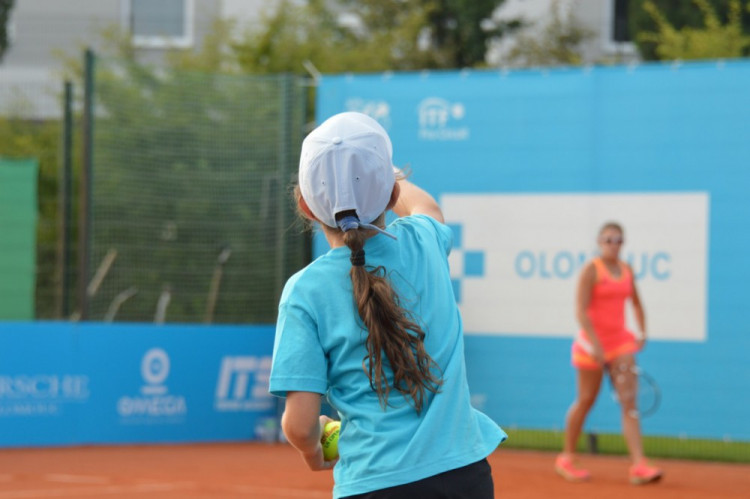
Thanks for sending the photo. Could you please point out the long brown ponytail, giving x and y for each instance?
(391, 331)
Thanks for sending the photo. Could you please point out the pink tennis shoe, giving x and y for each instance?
(566, 469)
(641, 473)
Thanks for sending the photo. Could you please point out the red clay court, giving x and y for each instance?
(274, 471)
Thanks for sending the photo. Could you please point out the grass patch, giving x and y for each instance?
(663, 447)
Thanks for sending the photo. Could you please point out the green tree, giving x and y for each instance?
(297, 33)
(664, 29)
(460, 30)
(5, 8)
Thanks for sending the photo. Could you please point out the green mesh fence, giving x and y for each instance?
(191, 217)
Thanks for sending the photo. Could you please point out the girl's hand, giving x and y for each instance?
(315, 460)
(301, 423)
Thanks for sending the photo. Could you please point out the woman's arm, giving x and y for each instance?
(302, 425)
(585, 287)
(413, 200)
(640, 314)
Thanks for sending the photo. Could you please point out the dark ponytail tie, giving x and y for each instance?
(358, 258)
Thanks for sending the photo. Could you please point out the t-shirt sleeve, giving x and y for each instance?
(442, 232)
(299, 362)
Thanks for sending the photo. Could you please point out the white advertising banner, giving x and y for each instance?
(517, 258)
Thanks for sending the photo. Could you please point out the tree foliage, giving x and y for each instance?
(666, 30)
(5, 8)
(460, 30)
(372, 35)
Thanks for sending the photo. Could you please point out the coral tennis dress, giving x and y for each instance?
(606, 311)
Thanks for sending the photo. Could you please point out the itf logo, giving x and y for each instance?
(243, 384)
(441, 120)
(464, 263)
(154, 403)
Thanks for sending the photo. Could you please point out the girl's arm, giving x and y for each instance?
(303, 427)
(413, 200)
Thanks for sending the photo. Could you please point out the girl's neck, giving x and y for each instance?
(335, 237)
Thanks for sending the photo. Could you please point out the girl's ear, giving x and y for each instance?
(394, 196)
(305, 209)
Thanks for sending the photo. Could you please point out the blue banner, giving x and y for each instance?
(527, 165)
(65, 384)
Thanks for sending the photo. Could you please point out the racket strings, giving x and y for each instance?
(631, 384)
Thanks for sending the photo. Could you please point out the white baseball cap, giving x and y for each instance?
(346, 163)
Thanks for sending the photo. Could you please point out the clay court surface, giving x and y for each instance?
(275, 471)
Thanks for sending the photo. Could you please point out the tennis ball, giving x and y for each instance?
(330, 440)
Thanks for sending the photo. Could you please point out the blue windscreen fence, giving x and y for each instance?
(527, 165)
(73, 384)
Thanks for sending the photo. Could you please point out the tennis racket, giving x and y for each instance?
(646, 391)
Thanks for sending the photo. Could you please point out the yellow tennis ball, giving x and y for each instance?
(330, 440)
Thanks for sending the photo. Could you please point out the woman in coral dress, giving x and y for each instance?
(604, 344)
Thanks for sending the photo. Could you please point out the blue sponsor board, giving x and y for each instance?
(527, 165)
(65, 384)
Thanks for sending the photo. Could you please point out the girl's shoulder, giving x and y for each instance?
(426, 225)
(308, 279)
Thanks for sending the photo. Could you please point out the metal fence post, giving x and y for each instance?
(84, 225)
(65, 200)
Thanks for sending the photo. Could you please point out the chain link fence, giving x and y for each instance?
(186, 215)
(191, 219)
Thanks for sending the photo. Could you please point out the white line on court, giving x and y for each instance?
(59, 477)
(91, 491)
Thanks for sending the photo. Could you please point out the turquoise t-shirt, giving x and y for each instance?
(320, 347)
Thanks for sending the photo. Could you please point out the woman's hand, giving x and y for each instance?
(641, 341)
(597, 352)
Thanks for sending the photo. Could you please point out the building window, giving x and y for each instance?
(617, 38)
(620, 32)
(159, 23)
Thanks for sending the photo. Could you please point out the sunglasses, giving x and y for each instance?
(612, 240)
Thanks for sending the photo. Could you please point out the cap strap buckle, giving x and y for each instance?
(351, 222)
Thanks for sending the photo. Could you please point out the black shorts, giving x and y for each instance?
(470, 482)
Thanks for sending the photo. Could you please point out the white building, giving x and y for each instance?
(605, 19)
(45, 32)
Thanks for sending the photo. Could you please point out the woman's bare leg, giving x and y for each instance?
(625, 380)
(589, 382)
